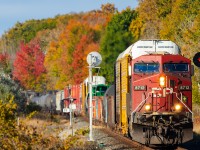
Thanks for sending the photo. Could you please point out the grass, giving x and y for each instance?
(49, 129)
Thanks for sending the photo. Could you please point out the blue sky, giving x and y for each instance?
(13, 11)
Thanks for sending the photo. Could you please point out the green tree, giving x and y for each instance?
(10, 89)
(116, 39)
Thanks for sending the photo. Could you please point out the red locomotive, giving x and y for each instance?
(153, 95)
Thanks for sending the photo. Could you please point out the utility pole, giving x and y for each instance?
(72, 107)
(70, 111)
(90, 104)
(93, 59)
(71, 114)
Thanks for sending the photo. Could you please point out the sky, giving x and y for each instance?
(13, 11)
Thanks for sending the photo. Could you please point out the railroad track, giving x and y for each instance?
(119, 137)
(127, 141)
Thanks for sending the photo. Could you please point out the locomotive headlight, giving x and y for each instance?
(177, 107)
(147, 107)
(162, 81)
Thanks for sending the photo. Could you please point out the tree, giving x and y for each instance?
(28, 66)
(9, 89)
(60, 54)
(86, 45)
(108, 8)
(66, 58)
(150, 14)
(181, 26)
(116, 39)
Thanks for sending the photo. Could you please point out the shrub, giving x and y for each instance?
(32, 107)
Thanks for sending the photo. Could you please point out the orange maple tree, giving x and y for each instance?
(79, 64)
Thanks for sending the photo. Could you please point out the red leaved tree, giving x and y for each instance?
(29, 69)
(86, 45)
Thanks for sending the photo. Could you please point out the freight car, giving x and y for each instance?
(79, 94)
(71, 99)
(151, 100)
(98, 91)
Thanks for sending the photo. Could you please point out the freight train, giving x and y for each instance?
(151, 98)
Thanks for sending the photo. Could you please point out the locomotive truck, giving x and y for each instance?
(152, 94)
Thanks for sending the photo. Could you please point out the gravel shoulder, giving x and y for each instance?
(101, 139)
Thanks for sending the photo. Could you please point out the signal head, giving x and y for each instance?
(196, 59)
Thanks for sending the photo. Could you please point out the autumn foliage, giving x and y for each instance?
(67, 39)
(5, 63)
(28, 66)
(82, 49)
(66, 58)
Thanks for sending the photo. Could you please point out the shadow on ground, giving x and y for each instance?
(194, 144)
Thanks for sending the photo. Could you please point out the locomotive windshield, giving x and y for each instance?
(146, 67)
(175, 67)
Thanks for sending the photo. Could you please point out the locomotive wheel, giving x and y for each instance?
(147, 137)
(179, 137)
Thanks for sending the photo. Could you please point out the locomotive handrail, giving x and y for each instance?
(183, 102)
(140, 103)
(139, 106)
